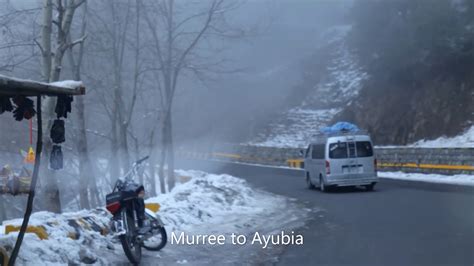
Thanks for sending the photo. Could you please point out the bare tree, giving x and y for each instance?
(176, 37)
(51, 66)
(120, 25)
(17, 33)
(87, 182)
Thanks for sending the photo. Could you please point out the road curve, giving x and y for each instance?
(400, 223)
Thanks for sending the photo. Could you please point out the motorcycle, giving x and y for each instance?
(123, 204)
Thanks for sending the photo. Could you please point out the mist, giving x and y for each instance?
(267, 72)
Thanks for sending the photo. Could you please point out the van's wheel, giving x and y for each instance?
(309, 184)
(370, 187)
(322, 187)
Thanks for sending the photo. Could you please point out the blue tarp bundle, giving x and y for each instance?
(340, 126)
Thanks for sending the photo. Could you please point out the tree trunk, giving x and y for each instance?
(3, 214)
(152, 161)
(152, 176)
(46, 38)
(51, 191)
(163, 147)
(85, 172)
(113, 162)
(170, 152)
(123, 138)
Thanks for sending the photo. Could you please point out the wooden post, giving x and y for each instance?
(31, 194)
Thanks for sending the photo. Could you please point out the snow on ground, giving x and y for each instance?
(58, 248)
(464, 140)
(207, 204)
(432, 178)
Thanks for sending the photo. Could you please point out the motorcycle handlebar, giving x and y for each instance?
(142, 159)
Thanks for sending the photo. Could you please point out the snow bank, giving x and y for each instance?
(59, 248)
(209, 198)
(433, 178)
(465, 140)
(205, 203)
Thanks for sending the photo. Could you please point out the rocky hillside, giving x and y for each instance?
(332, 78)
(402, 70)
(420, 57)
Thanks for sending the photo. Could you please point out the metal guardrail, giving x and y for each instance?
(427, 166)
(299, 163)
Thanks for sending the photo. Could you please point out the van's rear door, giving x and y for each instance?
(353, 166)
(365, 156)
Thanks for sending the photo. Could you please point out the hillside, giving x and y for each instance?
(332, 78)
(404, 73)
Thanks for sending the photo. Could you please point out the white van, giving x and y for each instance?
(341, 159)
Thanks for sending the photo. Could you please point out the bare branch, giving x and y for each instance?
(39, 46)
(78, 41)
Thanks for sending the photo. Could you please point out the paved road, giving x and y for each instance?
(400, 223)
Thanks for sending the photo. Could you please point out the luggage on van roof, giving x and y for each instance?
(338, 129)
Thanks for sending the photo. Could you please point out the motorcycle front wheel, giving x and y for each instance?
(130, 246)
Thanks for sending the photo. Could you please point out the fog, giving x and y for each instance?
(166, 76)
(268, 63)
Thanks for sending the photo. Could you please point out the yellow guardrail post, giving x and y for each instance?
(295, 163)
(40, 231)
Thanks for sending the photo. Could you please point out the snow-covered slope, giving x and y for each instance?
(465, 140)
(333, 88)
(207, 204)
(296, 127)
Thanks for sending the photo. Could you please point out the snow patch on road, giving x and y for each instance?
(432, 178)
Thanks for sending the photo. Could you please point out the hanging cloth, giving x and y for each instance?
(56, 158)
(5, 104)
(24, 108)
(63, 105)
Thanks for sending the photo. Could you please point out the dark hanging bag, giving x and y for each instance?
(57, 133)
(56, 159)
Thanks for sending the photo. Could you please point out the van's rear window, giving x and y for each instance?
(364, 149)
(340, 150)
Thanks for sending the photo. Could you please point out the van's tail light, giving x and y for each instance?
(113, 207)
(375, 165)
(328, 168)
